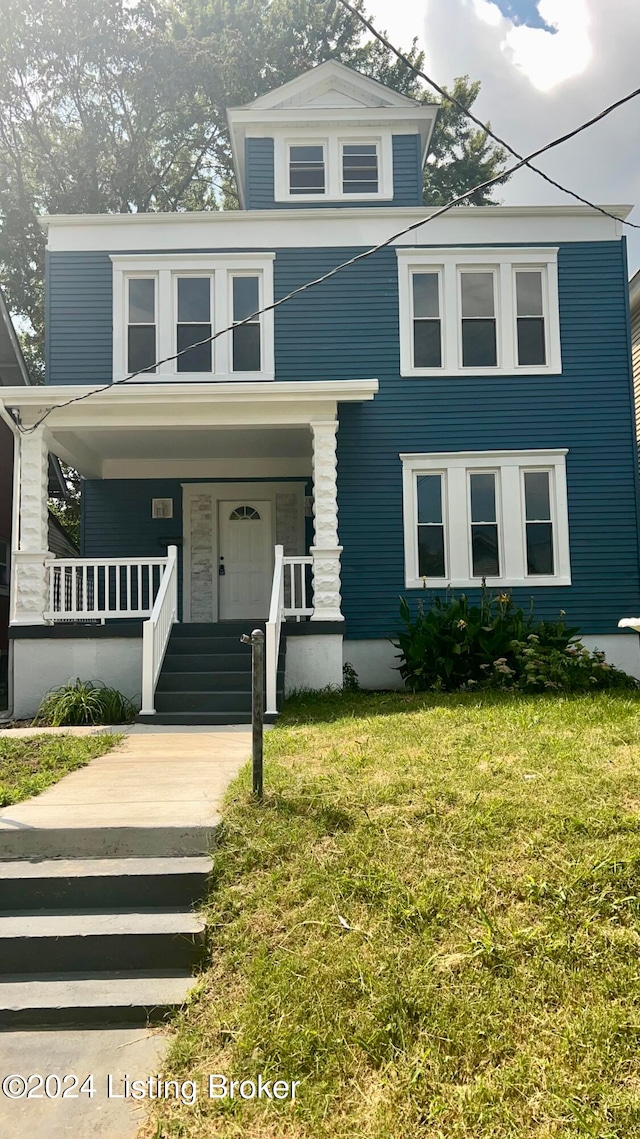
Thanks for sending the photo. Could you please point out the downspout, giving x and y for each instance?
(7, 715)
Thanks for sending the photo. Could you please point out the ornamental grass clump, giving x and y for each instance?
(84, 702)
(453, 645)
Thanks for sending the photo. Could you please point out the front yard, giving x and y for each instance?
(31, 764)
(433, 922)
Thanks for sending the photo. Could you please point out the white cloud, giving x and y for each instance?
(603, 163)
(547, 58)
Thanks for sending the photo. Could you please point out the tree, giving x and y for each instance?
(120, 106)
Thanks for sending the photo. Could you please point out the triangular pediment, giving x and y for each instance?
(332, 85)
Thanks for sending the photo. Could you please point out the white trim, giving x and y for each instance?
(332, 144)
(223, 492)
(509, 466)
(503, 263)
(283, 228)
(205, 468)
(166, 269)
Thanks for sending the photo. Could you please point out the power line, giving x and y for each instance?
(344, 265)
(474, 119)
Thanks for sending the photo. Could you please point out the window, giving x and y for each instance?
(306, 170)
(168, 307)
(359, 168)
(468, 312)
(427, 340)
(431, 556)
(244, 514)
(478, 311)
(194, 324)
(539, 523)
(4, 564)
(498, 515)
(246, 337)
(530, 317)
(141, 316)
(314, 166)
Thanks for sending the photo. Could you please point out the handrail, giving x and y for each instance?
(157, 630)
(288, 599)
(100, 588)
(272, 642)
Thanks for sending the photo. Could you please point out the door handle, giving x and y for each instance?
(221, 569)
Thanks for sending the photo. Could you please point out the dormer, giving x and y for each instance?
(331, 137)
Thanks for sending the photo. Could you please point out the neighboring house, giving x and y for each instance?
(13, 373)
(456, 406)
(634, 297)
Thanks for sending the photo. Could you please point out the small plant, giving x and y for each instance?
(350, 682)
(84, 702)
(454, 645)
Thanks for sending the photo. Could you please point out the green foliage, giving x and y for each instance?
(84, 702)
(30, 765)
(118, 108)
(350, 682)
(454, 645)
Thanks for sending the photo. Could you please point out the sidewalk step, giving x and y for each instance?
(47, 999)
(196, 718)
(92, 883)
(151, 841)
(56, 940)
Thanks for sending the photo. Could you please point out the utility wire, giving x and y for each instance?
(470, 115)
(344, 264)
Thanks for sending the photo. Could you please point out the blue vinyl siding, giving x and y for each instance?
(259, 177)
(348, 328)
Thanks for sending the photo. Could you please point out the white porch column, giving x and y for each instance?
(325, 550)
(32, 485)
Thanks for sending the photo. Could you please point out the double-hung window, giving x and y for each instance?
(360, 164)
(141, 324)
(307, 169)
(500, 515)
(181, 316)
(478, 312)
(193, 329)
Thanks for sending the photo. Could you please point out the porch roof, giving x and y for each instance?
(97, 430)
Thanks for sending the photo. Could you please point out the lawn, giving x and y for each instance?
(433, 922)
(31, 764)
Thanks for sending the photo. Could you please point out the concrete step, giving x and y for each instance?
(178, 681)
(91, 883)
(197, 718)
(69, 940)
(217, 628)
(46, 841)
(207, 662)
(47, 999)
(206, 644)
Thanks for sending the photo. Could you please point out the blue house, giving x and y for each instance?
(457, 405)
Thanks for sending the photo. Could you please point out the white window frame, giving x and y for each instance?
(152, 275)
(360, 142)
(175, 277)
(333, 164)
(166, 268)
(510, 467)
(504, 263)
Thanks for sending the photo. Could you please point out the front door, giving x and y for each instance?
(245, 562)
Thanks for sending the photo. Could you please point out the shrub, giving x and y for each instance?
(454, 645)
(350, 682)
(84, 702)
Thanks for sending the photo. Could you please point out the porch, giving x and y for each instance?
(203, 503)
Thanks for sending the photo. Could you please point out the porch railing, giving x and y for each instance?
(157, 630)
(289, 598)
(93, 589)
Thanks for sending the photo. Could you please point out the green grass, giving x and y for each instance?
(433, 921)
(31, 764)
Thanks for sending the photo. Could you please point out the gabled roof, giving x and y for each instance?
(332, 84)
(329, 95)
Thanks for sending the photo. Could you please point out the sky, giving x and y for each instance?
(545, 66)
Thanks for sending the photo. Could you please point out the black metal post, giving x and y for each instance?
(256, 640)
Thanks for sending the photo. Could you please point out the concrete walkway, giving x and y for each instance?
(163, 786)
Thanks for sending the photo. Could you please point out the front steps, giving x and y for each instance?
(98, 941)
(206, 675)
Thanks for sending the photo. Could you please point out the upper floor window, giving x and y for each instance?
(478, 312)
(172, 306)
(497, 515)
(307, 169)
(315, 167)
(359, 168)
